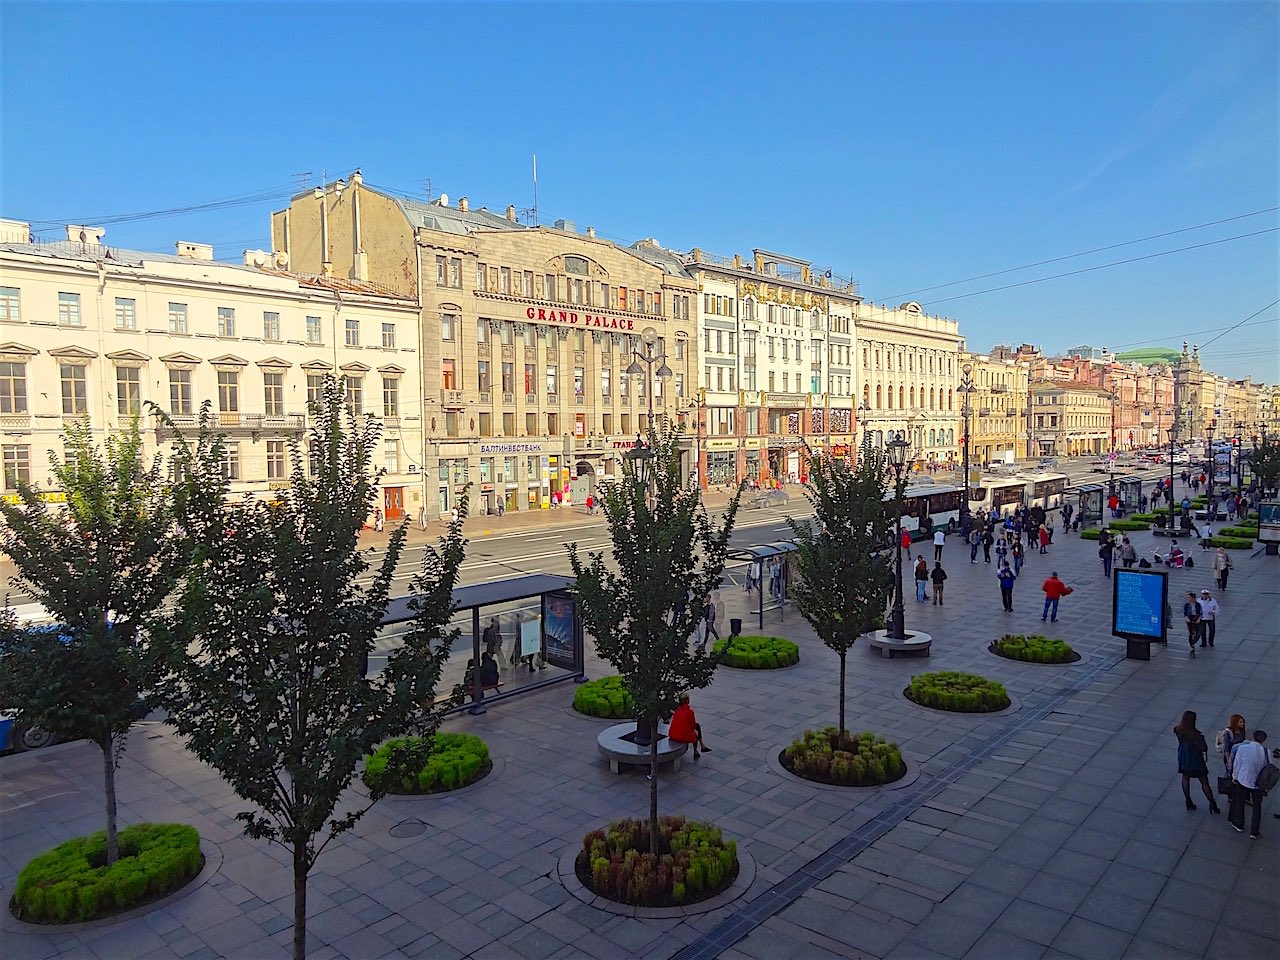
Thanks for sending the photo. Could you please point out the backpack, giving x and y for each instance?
(1268, 777)
(1220, 741)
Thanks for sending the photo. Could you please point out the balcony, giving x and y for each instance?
(237, 424)
(15, 421)
(984, 411)
(451, 399)
(999, 388)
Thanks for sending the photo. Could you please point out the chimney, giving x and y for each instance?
(81, 234)
(15, 231)
(591, 232)
(566, 225)
(194, 251)
(511, 213)
(464, 204)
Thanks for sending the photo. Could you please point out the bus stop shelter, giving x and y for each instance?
(1089, 504)
(758, 566)
(539, 624)
(1129, 490)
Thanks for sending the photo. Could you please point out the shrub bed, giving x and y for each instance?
(958, 692)
(606, 698)
(1133, 523)
(1089, 534)
(72, 882)
(1034, 648)
(1231, 543)
(755, 653)
(1242, 533)
(693, 862)
(854, 760)
(456, 760)
(1147, 517)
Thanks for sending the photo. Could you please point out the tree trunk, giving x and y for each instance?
(653, 788)
(300, 870)
(842, 656)
(109, 788)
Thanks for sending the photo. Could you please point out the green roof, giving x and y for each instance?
(1149, 355)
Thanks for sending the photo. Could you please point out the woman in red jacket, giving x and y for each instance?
(685, 727)
(1054, 590)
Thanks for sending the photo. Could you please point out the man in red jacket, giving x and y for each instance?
(685, 727)
(1054, 590)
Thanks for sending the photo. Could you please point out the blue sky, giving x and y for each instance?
(906, 144)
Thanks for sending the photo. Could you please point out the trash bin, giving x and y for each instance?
(735, 626)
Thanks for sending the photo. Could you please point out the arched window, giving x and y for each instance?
(748, 309)
(878, 397)
(866, 395)
(902, 394)
(950, 400)
(933, 438)
(931, 398)
(912, 396)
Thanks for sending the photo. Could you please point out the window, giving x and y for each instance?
(448, 325)
(526, 284)
(270, 325)
(579, 381)
(228, 391)
(482, 376)
(13, 388)
(355, 394)
(126, 313)
(622, 298)
(177, 318)
(486, 424)
(504, 280)
(530, 424)
(509, 426)
(455, 272)
(450, 424)
(448, 374)
(530, 377)
(226, 322)
(549, 286)
(231, 461)
(606, 381)
(391, 456)
(273, 394)
(553, 423)
(508, 378)
(68, 309)
(275, 460)
(481, 271)
(552, 385)
(128, 391)
(180, 392)
(75, 399)
(11, 305)
(352, 328)
(17, 464)
(442, 271)
(388, 336)
(313, 330)
(390, 396)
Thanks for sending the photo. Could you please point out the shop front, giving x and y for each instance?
(722, 461)
(751, 460)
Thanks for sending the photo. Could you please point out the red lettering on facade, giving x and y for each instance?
(529, 313)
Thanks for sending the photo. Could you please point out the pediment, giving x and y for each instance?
(72, 353)
(355, 368)
(392, 368)
(274, 363)
(317, 366)
(229, 360)
(128, 356)
(19, 349)
(185, 358)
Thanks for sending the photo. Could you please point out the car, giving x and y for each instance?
(1000, 466)
(768, 498)
(1046, 463)
(1101, 465)
(14, 735)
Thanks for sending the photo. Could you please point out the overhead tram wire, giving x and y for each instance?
(1072, 256)
(1100, 266)
(1240, 324)
(238, 200)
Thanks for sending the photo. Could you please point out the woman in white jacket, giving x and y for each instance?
(1221, 567)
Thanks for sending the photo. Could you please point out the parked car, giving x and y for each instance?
(13, 735)
(1101, 465)
(768, 498)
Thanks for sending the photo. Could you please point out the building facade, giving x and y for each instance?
(93, 331)
(528, 334)
(1070, 419)
(998, 408)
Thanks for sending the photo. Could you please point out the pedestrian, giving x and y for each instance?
(1248, 760)
(1007, 577)
(1044, 540)
(1054, 590)
(939, 538)
(1016, 555)
(685, 727)
(377, 519)
(1107, 554)
(1193, 760)
(775, 578)
(1128, 553)
(453, 515)
(709, 614)
(422, 518)
(1221, 567)
(1208, 617)
(922, 579)
(1002, 551)
(975, 539)
(502, 508)
(591, 505)
(1191, 614)
(753, 576)
(492, 638)
(1228, 739)
(939, 577)
(987, 541)
(905, 541)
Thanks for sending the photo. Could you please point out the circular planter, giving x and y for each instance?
(606, 690)
(994, 647)
(773, 757)
(1013, 705)
(756, 653)
(462, 744)
(824, 737)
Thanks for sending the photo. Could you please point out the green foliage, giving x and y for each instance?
(74, 882)
(1090, 534)
(1034, 648)
(843, 575)
(1231, 543)
(450, 761)
(692, 862)
(1246, 532)
(959, 692)
(102, 564)
(1133, 523)
(755, 653)
(1147, 518)
(606, 697)
(268, 641)
(828, 756)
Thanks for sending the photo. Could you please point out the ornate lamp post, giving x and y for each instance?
(1173, 433)
(1208, 490)
(897, 448)
(653, 353)
(966, 389)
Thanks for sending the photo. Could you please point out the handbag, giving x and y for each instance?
(1224, 786)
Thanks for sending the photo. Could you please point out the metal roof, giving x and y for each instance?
(762, 551)
(432, 216)
(487, 594)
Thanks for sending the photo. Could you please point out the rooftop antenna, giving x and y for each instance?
(535, 189)
(303, 178)
(426, 186)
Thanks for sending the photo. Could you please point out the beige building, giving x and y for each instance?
(1070, 419)
(998, 407)
(90, 330)
(910, 370)
(527, 336)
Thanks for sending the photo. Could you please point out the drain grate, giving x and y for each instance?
(408, 828)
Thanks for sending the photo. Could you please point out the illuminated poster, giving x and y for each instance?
(559, 630)
(530, 638)
(1138, 604)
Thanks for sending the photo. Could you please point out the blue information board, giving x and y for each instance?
(1139, 601)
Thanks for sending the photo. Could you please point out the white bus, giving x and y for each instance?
(1001, 494)
(1045, 489)
(929, 506)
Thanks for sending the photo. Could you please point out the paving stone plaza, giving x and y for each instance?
(1054, 829)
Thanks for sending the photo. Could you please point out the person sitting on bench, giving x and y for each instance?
(685, 727)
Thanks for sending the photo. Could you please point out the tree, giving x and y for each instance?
(271, 636)
(1264, 460)
(667, 557)
(844, 574)
(101, 566)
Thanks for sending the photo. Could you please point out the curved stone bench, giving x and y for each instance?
(618, 746)
(915, 643)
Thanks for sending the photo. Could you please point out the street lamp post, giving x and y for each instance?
(897, 448)
(1208, 490)
(654, 353)
(966, 389)
(1173, 433)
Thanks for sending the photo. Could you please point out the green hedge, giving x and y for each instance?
(854, 760)
(1133, 523)
(1034, 648)
(1089, 534)
(606, 698)
(1242, 533)
(72, 882)
(456, 760)
(1231, 543)
(693, 862)
(1147, 517)
(755, 653)
(959, 692)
